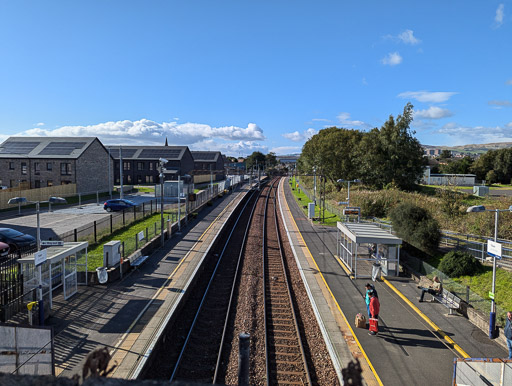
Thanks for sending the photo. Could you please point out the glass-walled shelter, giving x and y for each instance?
(361, 245)
(58, 271)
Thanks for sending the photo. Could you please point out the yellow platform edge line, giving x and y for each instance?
(333, 298)
(427, 319)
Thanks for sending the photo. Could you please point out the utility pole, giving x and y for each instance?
(120, 172)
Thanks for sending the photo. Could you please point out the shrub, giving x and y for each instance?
(416, 226)
(458, 263)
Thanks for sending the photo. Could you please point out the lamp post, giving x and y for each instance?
(51, 200)
(341, 180)
(314, 186)
(163, 161)
(492, 314)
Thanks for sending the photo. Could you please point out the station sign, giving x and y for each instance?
(52, 243)
(40, 257)
(494, 249)
(351, 211)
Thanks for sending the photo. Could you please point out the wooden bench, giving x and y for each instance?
(449, 300)
(135, 263)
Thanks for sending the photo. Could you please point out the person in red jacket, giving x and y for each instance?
(374, 308)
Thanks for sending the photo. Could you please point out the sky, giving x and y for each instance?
(241, 76)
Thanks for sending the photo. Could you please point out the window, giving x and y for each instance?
(126, 165)
(65, 182)
(117, 181)
(140, 165)
(11, 165)
(37, 184)
(150, 165)
(65, 169)
(23, 168)
(149, 179)
(139, 179)
(49, 183)
(129, 179)
(37, 168)
(49, 166)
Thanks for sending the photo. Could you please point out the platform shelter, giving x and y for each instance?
(360, 245)
(59, 270)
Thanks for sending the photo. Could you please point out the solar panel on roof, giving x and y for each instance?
(15, 147)
(160, 153)
(204, 155)
(61, 148)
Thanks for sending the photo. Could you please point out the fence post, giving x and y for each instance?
(151, 206)
(95, 235)
(143, 210)
(136, 242)
(147, 234)
(80, 200)
(134, 213)
(155, 229)
(124, 220)
(122, 244)
(97, 198)
(111, 227)
(76, 235)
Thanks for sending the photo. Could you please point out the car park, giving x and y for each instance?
(118, 204)
(17, 240)
(4, 249)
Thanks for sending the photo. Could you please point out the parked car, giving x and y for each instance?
(119, 204)
(4, 249)
(17, 240)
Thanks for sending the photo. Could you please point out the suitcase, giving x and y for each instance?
(360, 321)
(374, 325)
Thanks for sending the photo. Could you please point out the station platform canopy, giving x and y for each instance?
(361, 245)
(59, 270)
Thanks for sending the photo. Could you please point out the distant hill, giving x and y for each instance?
(474, 148)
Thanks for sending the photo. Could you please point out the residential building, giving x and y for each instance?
(141, 163)
(206, 162)
(37, 162)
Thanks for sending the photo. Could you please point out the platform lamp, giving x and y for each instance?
(162, 161)
(492, 314)
(341, 180)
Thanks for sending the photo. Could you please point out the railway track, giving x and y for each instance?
(200, 357)
(286, 361)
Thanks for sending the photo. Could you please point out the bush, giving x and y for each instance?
(458, 263)
(416, 226)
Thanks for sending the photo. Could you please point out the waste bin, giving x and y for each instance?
(102, 275)
(33, 313)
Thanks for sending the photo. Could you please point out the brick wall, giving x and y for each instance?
(92, 169)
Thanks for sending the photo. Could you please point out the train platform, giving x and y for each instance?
(126, 316)
(417, 342)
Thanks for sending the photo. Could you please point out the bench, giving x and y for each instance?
(449, 300)
(135, 263)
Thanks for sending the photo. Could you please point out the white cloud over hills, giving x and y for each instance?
(478, 134)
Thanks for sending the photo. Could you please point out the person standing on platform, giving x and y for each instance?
(374, 309)
(369, 287)
(508, 333)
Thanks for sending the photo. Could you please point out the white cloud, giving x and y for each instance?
(427, 96)
(230, 148)
(433, 112)
(392, 59)
(39, 124)
(500, 104)
(478, 134)
(149, 132)
(283, 150)
(408, 37)
(344, 119)
(297, 136)
(321, 120)
(500, 13)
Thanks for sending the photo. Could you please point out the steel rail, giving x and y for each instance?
(206, 293)
(287, 285)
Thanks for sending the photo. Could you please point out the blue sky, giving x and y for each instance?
(240, 76)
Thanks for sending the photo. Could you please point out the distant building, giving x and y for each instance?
(448, 179)
(206, 162)
(141, 163)
(287, 159)
(39, 162)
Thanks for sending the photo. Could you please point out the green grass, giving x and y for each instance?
(145, 189)
(126, 234)
(330, 218)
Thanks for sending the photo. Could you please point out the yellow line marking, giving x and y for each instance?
(333, 298)
(426, 318)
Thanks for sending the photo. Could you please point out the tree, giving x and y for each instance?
(484, 164)
(460, 166)
(256, 158)
(333, 152)
(271, 160)
(445, 154)
(391, 155)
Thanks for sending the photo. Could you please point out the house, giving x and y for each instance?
(37, 162)
(448, 179)
(141, 163)
(206, 162)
